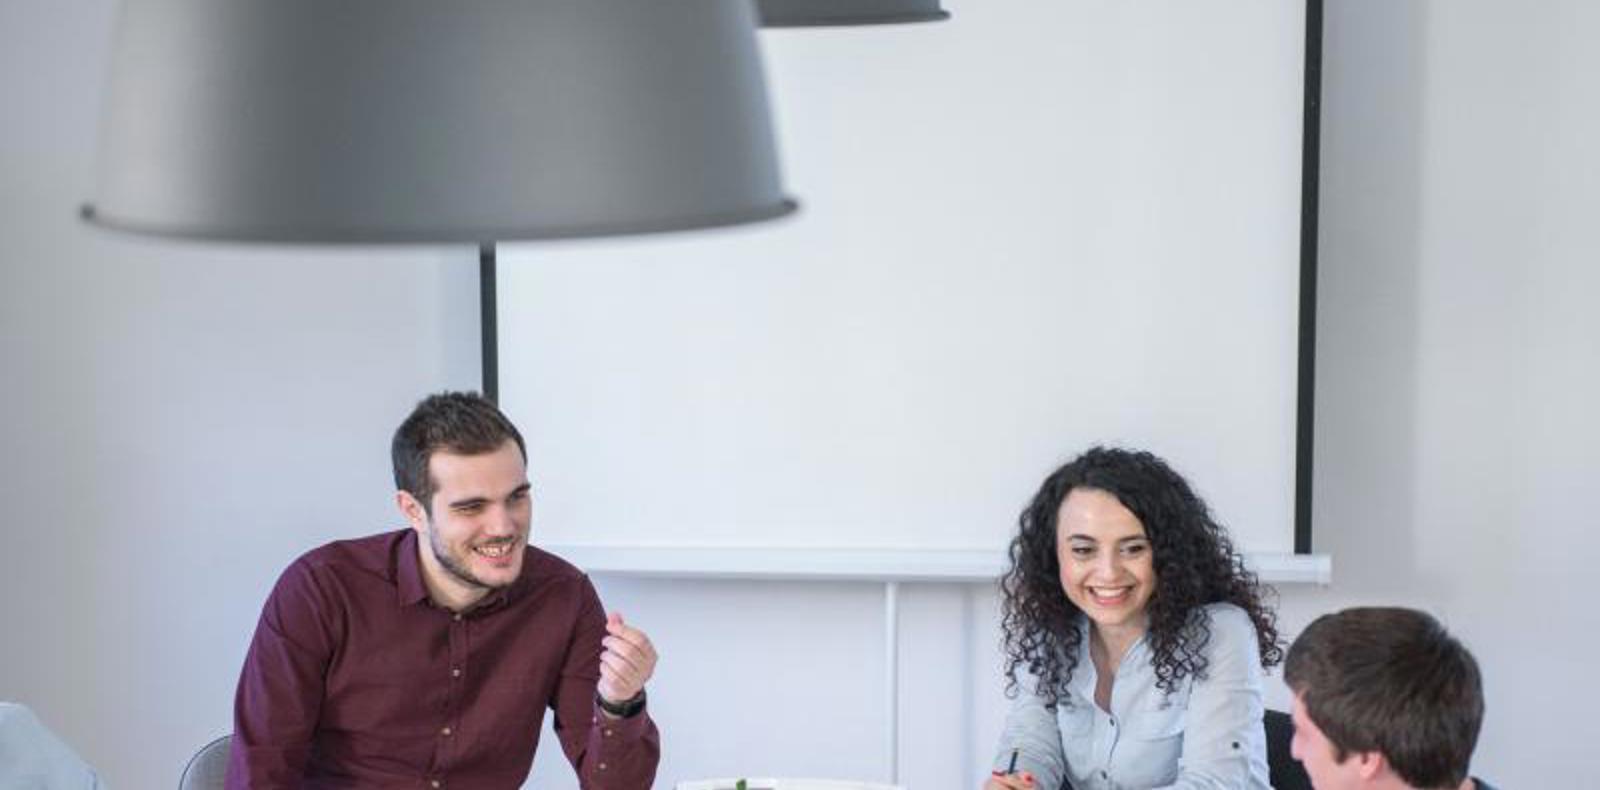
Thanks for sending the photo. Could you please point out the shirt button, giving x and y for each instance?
(456, 617)
(1104, 775)
(1113, 722)
(608, 732)
(602, 766)
(445, 731)
(455, 672)
(436, 783)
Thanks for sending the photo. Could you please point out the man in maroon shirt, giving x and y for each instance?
(425, 657)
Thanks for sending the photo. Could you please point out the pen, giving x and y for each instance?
(1012, 768)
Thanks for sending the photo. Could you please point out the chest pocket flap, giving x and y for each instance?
(1165, 719)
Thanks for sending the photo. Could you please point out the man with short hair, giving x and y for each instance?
(425, 657)
(1384, 698)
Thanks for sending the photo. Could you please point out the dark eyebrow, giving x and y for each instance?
(1087, 539)
(479, 501)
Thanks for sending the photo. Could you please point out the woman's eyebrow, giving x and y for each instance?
(1091, 539)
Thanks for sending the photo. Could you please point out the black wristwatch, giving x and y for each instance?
(622, 710)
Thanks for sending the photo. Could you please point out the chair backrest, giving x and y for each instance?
(208, 768)
(1283, 770)
(769, 783)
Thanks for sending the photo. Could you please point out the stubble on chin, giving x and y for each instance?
(457, 566)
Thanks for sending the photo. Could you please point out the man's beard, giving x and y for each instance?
(456, 567)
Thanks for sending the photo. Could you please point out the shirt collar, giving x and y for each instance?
(409, 588)
(514, 591)
(1085, 675)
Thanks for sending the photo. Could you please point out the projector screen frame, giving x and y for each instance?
(1305, 405)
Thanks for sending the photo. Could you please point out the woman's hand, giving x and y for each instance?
(1021, 780)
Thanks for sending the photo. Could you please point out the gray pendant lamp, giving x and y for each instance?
(815, 13)
(434, 120)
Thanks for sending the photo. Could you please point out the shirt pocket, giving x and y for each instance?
(1166, 719)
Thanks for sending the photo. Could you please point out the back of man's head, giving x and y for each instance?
(1393, 681)
(464, 423)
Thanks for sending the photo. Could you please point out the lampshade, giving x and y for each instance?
(426, 120)
(806, 13)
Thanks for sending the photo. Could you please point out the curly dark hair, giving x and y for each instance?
(1195, 565)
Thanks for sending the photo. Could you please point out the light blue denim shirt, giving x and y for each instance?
(31, 756)
(1205, 734)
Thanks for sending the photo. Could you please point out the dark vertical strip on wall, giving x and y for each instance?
(486, 313)
(1310, 161)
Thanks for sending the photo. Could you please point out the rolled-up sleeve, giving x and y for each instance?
(1224, 744)
(1031, 730)
(608, 754)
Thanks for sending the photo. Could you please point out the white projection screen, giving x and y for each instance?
(1036, 227)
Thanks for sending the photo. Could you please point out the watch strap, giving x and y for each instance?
(624, 710)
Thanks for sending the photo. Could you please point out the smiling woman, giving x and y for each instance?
(1105, 564)
(1135, 638)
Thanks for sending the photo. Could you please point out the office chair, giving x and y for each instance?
(1283, 770)
(208, 767)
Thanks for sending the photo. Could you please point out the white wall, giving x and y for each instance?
(178, 421)
(1458, 362)
(1459, 356)
(181, 420)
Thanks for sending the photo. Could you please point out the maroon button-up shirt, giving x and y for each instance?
(355, 679)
